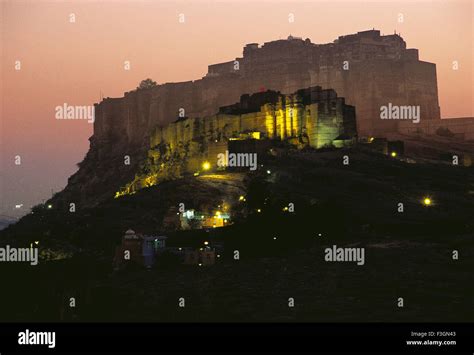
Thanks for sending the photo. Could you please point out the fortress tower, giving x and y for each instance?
(368, 69)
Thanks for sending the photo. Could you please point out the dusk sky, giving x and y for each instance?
(63, 62)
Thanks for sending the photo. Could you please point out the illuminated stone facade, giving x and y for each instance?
(310, 117)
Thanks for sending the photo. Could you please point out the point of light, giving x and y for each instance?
(206, 243)
(427, 201)
(259, 210)
(393, 154)
(206, 165)
(50, 206)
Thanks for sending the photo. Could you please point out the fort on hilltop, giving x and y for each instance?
(368, 69)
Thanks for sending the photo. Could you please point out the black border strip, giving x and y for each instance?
(242, 337)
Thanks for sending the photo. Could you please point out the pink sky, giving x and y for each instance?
(73, 62)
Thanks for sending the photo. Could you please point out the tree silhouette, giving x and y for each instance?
(147, 84)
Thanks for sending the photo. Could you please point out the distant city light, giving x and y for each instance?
(50, 206)
(206, 165)
(206, 243)
(371, 139)
(241, 198)
(259, 210)
(427, 201)
(269, 172)
(274, 238)
(393, 154)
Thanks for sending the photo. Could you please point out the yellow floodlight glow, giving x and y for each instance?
(427, 201)
(241, 198)
(393, 154)
(206, 165)
(255, 135)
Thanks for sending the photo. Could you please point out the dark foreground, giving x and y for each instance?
(407, 254)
